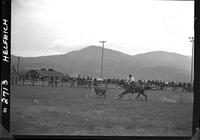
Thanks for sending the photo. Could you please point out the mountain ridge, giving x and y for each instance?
(91, 46)
(116, 64)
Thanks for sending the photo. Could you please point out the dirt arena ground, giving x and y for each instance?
(47, 110)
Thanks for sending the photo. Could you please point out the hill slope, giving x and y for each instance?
(153, 65)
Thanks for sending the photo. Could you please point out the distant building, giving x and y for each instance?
(45, 74)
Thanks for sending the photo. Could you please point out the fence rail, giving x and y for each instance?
(89, 84)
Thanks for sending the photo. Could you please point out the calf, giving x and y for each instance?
(99, 92)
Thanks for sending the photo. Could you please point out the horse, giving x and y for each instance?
(137, 88)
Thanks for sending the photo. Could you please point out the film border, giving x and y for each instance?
(5, 64)
(5, 75)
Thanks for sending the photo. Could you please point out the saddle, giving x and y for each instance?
(133, 87)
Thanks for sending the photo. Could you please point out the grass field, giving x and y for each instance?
(76, 111)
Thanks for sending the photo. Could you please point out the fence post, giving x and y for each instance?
(42, 81)
(23, 79)
(106, 83)
(16, 79)
(33, 80)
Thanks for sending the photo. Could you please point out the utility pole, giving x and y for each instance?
(18, 64)
(103, 42)
(192, 60)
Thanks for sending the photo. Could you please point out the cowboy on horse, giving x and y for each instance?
(131, 86)
(131, 81)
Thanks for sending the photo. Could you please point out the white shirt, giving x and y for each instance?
(132, 79)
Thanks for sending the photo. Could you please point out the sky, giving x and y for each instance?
(50, 27)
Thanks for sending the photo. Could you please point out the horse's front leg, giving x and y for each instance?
(143, 93)
(145, 97)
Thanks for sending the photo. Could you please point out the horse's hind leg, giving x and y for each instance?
(137, 96)
(122, 94)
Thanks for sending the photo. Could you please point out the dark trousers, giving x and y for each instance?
(130, 86)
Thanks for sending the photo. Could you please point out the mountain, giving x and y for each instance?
(157, 58)
(156, 65)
